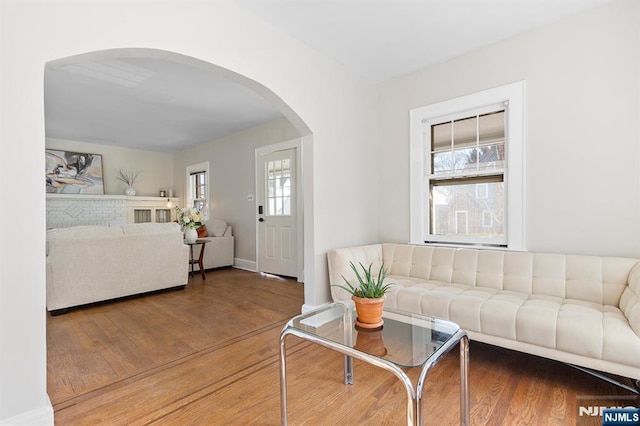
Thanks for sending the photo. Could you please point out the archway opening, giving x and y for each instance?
(138, 72)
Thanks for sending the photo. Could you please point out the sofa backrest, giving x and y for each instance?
(84, 232)
(150, 228)
(594, 279)
(217, 228)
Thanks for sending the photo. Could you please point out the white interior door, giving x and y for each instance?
(277, 220)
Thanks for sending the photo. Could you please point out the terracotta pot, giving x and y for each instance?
(371, 342)
(369, 311)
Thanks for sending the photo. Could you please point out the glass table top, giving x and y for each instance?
(405, 339)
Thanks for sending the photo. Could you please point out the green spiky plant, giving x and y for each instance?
(369, 286)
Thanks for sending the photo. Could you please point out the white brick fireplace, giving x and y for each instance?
(64, 210)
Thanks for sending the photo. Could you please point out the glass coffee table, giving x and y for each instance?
(405, 340)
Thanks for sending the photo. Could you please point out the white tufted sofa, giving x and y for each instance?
(582, 310)
(87, 264)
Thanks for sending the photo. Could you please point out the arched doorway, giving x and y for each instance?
(129, 69)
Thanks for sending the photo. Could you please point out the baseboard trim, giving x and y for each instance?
(247, 265)
(42, 416)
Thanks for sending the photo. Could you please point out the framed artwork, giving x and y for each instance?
(73, 173)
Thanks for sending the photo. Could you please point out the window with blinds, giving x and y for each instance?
(467, 170)
(198, 188)
(466, 179)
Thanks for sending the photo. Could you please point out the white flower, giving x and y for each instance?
(189, 216)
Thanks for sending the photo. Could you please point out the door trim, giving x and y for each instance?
(295, 144)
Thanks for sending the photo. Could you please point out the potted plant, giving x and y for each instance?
(129, 178)
(368, 295)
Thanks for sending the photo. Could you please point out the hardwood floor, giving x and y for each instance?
(209, 355)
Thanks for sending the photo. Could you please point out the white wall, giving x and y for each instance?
(232, 178)
(156, 168)
(337, 106)
(582, 150)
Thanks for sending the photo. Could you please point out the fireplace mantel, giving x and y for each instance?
(78, 197)
(64, 210)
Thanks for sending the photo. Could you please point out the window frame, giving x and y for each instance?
(190, 192)
(512, 96)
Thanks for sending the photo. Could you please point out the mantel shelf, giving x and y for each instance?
(110, 197)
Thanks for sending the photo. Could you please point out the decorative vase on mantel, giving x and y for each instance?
(190, 234)
(130, 191)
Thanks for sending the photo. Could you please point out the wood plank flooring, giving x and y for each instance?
(209, 355)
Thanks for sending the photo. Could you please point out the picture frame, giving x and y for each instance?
(68, 172)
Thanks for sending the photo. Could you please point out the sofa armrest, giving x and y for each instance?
(630, 301)
(339, 265)
(228, 232)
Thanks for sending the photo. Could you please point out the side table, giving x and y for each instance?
(406, 340)
(198, 261)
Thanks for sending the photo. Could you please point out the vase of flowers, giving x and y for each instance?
(189, 219)
(190, 235)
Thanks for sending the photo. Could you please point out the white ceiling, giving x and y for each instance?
(160, 105)
(382, 39)
(149, 104)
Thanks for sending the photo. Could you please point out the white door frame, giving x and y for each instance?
(295, 144)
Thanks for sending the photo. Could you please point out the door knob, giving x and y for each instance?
(261, 220)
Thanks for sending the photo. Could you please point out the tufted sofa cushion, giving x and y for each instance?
(572, 308)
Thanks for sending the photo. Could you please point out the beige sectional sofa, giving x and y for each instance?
(581, 310)
(87, 264)
(220, 247)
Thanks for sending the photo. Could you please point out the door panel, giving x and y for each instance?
(277, 183)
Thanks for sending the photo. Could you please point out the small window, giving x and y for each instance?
(198, 188)
(487, 219)
(461, 223)
(482, 191)
(278, 181)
